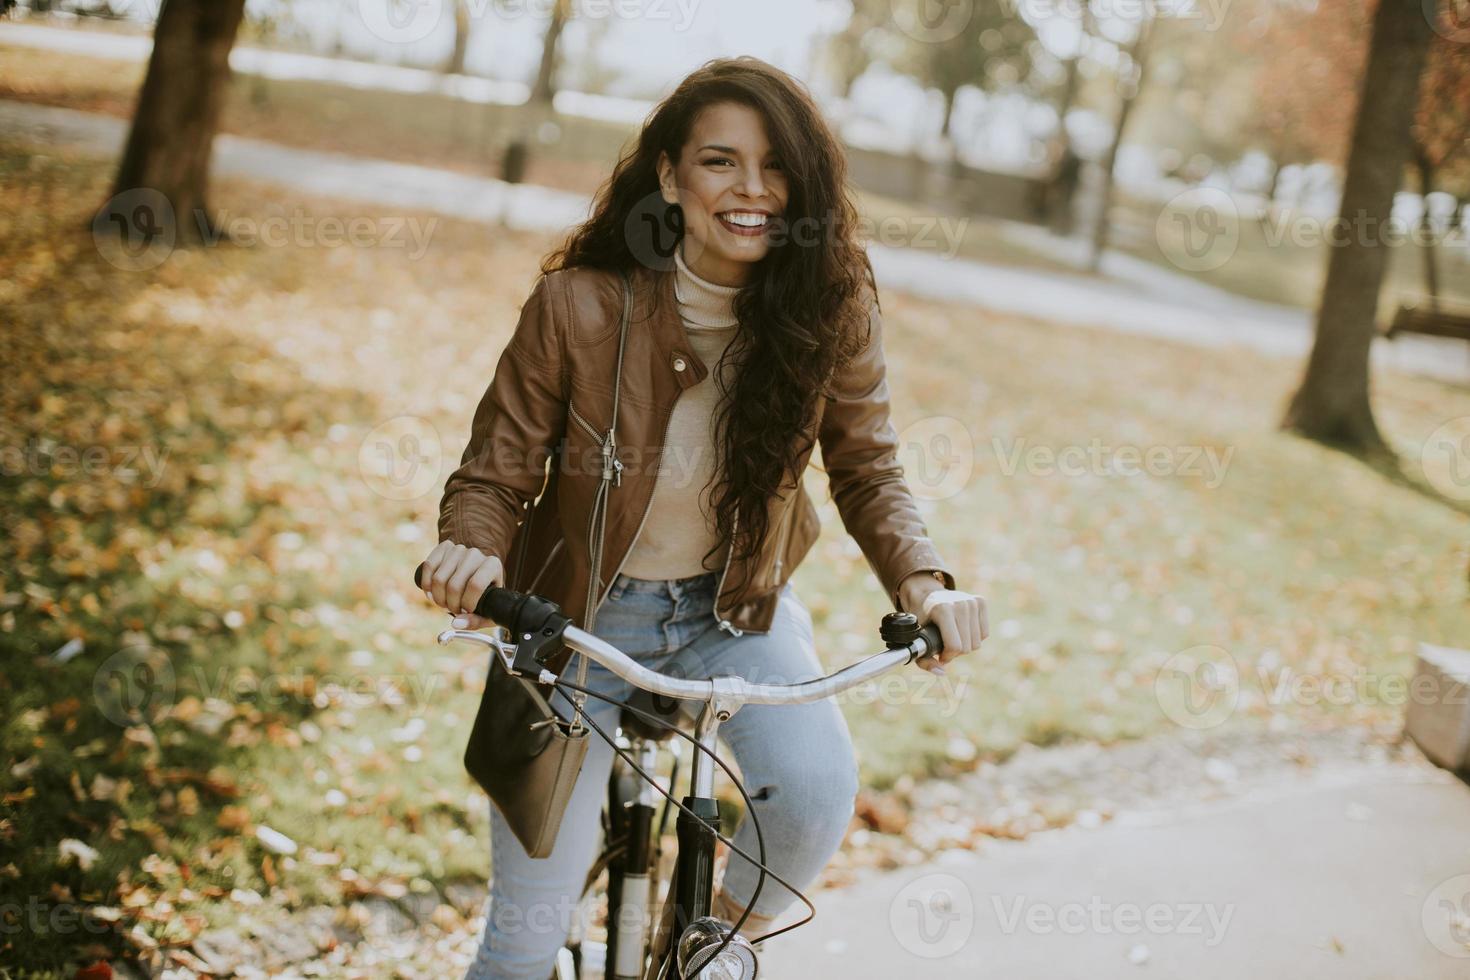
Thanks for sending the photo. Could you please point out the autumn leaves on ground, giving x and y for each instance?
(222, 697)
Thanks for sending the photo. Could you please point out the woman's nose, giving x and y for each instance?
(753, 185)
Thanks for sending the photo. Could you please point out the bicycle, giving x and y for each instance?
(707, 948)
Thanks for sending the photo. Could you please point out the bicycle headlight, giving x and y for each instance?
(696, 960)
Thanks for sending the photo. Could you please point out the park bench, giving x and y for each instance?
(1435, 320)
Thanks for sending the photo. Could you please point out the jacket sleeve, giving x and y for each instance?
(516, 429)
(860, 455)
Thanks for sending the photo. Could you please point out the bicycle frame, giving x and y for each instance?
(691, 888)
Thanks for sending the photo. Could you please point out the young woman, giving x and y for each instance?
(754, 337)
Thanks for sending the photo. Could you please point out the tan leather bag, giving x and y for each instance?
(521, 751)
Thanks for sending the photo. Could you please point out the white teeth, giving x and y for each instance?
(743, 219)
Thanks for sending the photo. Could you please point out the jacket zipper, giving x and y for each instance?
(781, 547)
(602, 597)
(584, 423)
(725, 623)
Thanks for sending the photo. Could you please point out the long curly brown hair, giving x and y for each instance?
(803, 311)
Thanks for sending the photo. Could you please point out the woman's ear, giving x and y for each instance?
(666, 185)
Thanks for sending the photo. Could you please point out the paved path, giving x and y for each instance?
(1353, 874)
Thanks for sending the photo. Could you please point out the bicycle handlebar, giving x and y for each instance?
(542, 628)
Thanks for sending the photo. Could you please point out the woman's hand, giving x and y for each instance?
(457, 576)
(961, 617)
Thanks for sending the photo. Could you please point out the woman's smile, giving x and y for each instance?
(745, 223)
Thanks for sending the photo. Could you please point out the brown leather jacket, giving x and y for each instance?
(552, 391)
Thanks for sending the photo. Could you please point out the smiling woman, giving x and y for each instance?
(746, 347)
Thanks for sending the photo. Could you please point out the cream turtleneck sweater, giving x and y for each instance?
(679, 528)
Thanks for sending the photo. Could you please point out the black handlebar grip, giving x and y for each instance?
(495, 604)
(932, 637)
(499, 605)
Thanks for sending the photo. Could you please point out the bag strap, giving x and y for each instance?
(612, 475)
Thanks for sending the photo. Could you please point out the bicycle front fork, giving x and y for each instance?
(631, 875)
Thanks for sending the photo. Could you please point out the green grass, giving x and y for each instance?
(263, 560)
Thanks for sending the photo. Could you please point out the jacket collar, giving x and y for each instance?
(654, 301)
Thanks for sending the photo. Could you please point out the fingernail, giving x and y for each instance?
(428, 595)
(460, 622)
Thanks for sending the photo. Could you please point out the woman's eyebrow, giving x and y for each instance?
(727, 149)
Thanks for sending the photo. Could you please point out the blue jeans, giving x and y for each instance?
(797, 763)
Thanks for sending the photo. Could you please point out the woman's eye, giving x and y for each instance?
(719, 160)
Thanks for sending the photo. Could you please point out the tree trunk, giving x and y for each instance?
(455, 64)
(1138, 54)
(168, 147)
(947, 124)
(545, 88)
(1332, 405)
(1426, 187)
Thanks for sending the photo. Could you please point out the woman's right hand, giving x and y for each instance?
(457, 576)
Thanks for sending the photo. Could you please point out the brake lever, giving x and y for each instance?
(505, 651)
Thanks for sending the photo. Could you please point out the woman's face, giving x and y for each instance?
(728, 183)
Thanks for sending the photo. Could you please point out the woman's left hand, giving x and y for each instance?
(961, 617)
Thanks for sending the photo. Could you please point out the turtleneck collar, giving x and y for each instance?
(702, 303)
